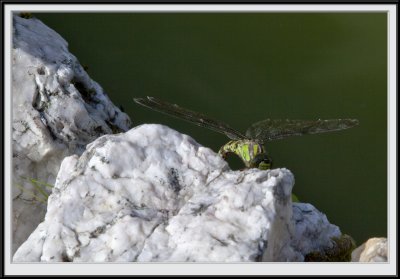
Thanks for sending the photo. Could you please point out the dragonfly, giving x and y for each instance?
(250, 146)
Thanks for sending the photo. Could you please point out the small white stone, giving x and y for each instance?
(373, 250)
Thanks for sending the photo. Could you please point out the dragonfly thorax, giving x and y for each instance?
(252, 153)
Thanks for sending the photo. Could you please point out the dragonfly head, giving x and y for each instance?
(261, 161)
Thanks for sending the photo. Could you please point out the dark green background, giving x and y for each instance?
(242, 68)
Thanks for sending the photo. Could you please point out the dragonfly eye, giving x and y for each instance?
(262, 161)
(265, 165)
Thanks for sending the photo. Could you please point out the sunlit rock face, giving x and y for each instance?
(56, 110)
(153, 194)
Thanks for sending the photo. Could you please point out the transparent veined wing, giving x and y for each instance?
(189, 115)
(272, 129)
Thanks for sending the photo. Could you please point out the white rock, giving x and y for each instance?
(54, 115)
(373, 250)
(153, 194)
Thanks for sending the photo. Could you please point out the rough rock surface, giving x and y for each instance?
(57, 109)
(153, 194)
(313, 232)
(373, 250)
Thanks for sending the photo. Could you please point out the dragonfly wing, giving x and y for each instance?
(272, 129)
(188, 115)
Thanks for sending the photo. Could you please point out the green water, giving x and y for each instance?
(242, 68)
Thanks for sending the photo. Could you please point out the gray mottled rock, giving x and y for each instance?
(57, 110)
(313, 232)
(373, 250)
(153, 194)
